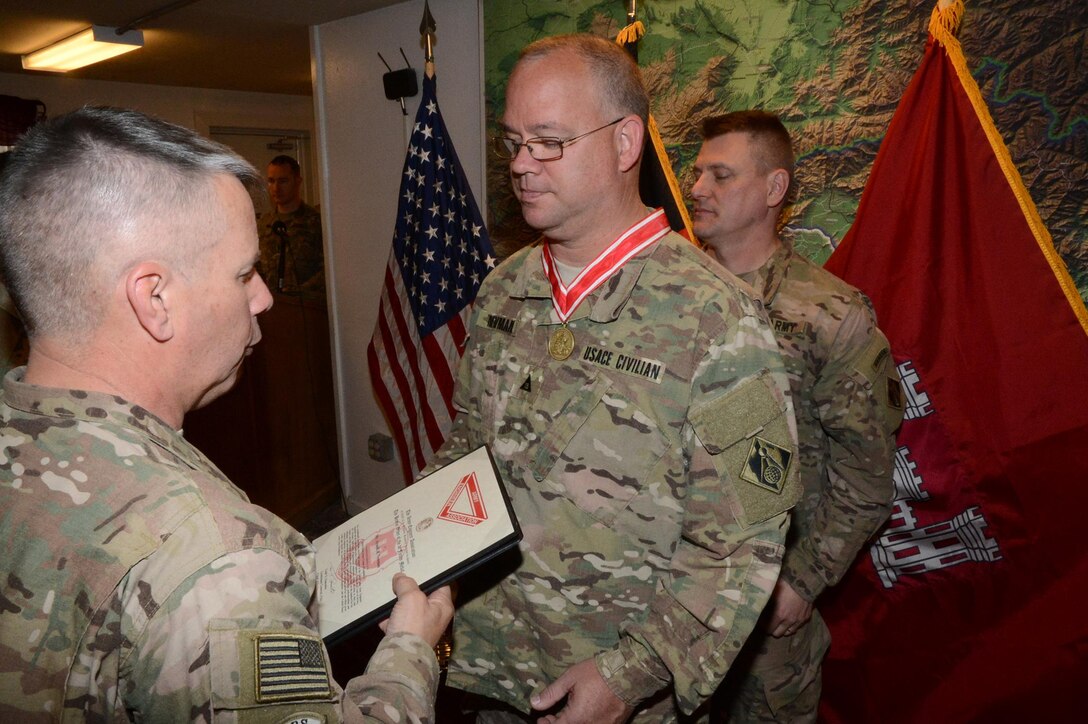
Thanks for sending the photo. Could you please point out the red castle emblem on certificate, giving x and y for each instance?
(466, 503)
(367, 557)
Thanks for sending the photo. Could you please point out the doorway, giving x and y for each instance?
(261, 145)
(274, 434)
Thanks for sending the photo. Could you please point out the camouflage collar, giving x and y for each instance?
(767, 279)
(98, 408)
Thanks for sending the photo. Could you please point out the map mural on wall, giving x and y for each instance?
(834, 70)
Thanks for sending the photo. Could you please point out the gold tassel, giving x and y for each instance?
(631, 33)
(945, 20)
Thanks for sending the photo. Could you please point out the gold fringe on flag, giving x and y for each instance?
(632, 33)
(944, 23)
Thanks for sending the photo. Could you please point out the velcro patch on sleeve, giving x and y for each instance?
(269, 672)
(747, 433)
(289, 667)
(874, 361)
(877, 366)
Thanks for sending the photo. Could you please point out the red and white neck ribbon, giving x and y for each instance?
(566, 299)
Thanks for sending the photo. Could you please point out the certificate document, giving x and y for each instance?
(434, 530)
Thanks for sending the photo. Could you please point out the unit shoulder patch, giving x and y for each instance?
(767, 465)
(747, 433)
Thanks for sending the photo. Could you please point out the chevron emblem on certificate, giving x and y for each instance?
(435, 530)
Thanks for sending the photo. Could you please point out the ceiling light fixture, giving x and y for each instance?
(92, 45)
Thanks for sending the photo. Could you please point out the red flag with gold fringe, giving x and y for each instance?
(967, 607)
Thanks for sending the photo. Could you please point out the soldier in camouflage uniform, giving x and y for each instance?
(638, 410)
(137, 582)
(291, 229)
(846, 392)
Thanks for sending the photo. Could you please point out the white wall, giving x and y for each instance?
(361, 146)
(196, 108)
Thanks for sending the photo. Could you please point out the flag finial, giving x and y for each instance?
(427, 28)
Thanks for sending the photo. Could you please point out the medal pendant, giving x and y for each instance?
(561, 344)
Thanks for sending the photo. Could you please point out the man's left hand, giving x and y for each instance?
(589, 700)
(789, 611)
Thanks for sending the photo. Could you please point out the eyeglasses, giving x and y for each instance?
(542, 148)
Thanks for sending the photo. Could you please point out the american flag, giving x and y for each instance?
(290, 666)
(441, 253)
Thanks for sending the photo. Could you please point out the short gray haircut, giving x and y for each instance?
(615, 73)
(86, 195)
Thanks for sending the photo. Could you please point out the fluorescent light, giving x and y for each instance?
(92, 45)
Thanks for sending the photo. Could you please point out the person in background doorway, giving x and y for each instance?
(292, 251)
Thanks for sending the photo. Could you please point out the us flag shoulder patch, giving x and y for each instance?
(290, 667)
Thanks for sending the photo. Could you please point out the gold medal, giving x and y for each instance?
(561, 344)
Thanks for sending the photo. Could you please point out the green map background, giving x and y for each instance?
(834, 70)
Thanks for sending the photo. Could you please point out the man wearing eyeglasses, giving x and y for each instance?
(635, 401)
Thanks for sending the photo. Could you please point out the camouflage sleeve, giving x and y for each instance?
(234, 642)
(734, 525)
(856, 394)
(401, 676)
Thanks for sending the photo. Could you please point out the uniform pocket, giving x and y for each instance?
(599, 451)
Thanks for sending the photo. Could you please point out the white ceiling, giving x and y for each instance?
(247, 45)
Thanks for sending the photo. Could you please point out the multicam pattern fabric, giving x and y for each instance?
(136, 580)
(841, 372)
(846, 394)
(304, 268)
(643, 547)
(776, 680)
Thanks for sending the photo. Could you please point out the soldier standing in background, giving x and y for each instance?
(846, 394)
(137, 582)
(292, 251)
(636, 404)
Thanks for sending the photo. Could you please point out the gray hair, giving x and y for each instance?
(615, 73)
(86, 195)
